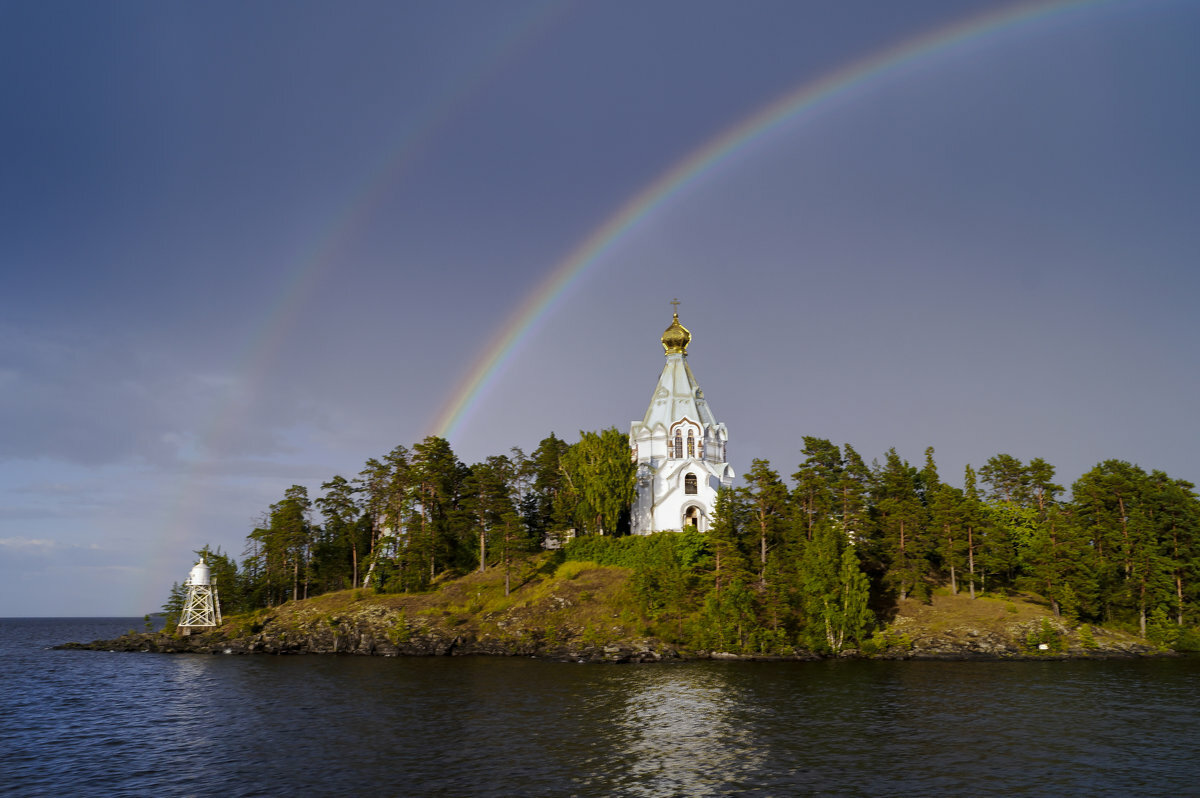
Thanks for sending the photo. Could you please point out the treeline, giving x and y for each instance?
(800, 563)
(416, 515)
(810, 562)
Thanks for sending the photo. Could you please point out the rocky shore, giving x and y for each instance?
(582, 612)
(998, 631)
(380, 633)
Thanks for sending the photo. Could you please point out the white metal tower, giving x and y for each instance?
(202, 609)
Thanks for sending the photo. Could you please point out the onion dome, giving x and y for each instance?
(676, 338)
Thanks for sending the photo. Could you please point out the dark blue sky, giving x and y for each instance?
(249, 245)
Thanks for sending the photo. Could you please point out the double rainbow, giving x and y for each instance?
(801, 101)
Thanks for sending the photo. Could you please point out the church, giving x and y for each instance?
(679, 448)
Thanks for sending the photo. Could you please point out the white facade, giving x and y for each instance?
(679, 448)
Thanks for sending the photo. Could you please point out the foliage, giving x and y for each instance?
(1086, 639)
(599, 479)
(806, 564)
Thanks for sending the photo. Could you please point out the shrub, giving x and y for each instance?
(1161, 631)
(1085, 637)
(1046, 635)
(1188, 639)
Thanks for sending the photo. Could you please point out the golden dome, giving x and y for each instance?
(676, 338)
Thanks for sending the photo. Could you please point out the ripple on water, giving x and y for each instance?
(120, 724)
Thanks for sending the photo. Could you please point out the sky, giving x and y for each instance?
(250, 245)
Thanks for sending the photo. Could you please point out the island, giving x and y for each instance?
(586, 612)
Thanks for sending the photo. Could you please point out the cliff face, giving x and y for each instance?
(584, 612)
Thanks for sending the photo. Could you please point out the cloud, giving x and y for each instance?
(91, 401)
(42, 545)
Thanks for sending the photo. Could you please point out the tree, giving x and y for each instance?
(1006, 478)
(438, 476)
(488, 496)
(836, 591)
(947, 515)
(173, 607)
(767, 499)
(545, 509)
(901, 523)
(292, 530)
(1178, 518)
(278, 548)
(601, 476)
(1040, 481)
(341, 511)
(817, 481)
(853, 488)
(1116, 503)
(975, 520)
(223, 571)
(726, 537)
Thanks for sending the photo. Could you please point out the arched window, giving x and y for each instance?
(689, 483)
(678, 444)
(691, 444)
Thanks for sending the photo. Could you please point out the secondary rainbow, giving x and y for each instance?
(804, 99)
(321, 257)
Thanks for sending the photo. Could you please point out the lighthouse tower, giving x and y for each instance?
(679, 448)
(202, 609)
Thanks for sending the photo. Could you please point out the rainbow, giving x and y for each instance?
(688, 171)
(321, 255)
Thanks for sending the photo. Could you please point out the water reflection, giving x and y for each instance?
(122, 724)
(675, 733)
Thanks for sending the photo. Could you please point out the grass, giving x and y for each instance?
(564, 602)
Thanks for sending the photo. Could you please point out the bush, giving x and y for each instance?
(1161, 630)
(1046, 635)
(1188, 639)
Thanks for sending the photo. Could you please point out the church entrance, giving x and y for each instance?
(692, 517)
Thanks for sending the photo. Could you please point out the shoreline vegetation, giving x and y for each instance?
(521, 554)
(584, 612)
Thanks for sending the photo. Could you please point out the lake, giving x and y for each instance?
(103, 723)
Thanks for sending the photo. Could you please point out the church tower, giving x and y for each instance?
(679, 448)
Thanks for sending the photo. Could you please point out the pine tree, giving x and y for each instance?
(341, 512)
(726, 540)
(767, 499)
(818, 478)
(901, 522)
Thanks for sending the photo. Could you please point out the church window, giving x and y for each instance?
(689, 484)
(691, 444)
(678, 444)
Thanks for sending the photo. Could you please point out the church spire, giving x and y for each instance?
(677, 337)
(679, 447)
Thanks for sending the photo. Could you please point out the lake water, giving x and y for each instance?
(102, 723)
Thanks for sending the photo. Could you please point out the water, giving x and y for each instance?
(101, 723)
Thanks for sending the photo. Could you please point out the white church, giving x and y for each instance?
(679, 448)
